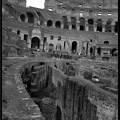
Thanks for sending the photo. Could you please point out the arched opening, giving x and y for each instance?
(81, 27)
(58, 47)
(65, 22)
(35, 43)
(58, 115)
(91, 50)
(99, 51)
(49, 23)
(22, 17)
(108, 27)
(51, 47)
(90, 23)
(41, 18)
(73, 22)
(82, 23)
(106, 42)
(114, 52)
(30, 17)
(99, 25)
(116, 27)
(74, 47)
(58, 24)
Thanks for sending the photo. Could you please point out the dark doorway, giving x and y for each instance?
(99, 25)
(51, 47)
(58, 115)
(82, 23)
(116, 27)
(108, 27)
(65, 22)
(74, 47)
(35, 42)
(99, 51)
(91, 50)
(58, 24)
(30, 17)
(90, 23)
(22, 17)
(73, 22)
(49, 23)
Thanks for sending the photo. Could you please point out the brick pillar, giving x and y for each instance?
(45, 23)
(62, 25)
(103, 28)
(95, 27)
(48, 108)
(113, 26)
(78, 23)
(86, 25)
(54, 24)
(70, 27)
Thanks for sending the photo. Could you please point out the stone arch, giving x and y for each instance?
(22, 17)
(99, 51)
(108, 27)
(41, 18)
(92, 51)
(65, 22)
(74, 47)
(35, 42)
(106, 42)
(82, 23)
(90, 23)
(58, 104)
(99, 25)
(58, 47)
(36, 32)
(49, 23)
(58, 24)
(51, 47)
(58, 114)
(30, 17)
(73, 23)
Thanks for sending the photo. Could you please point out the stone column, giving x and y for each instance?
(78, 23)
(48, 108)
(78, 27)
(70, 27)
(103, 26)
(62, 25)
(45, 23)
(54, 24)
(86, 25)
(95, 27)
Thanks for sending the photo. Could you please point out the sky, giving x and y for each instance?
(36, 3)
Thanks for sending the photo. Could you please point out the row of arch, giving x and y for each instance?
(35, 43)
(30, 18)
(82, 24)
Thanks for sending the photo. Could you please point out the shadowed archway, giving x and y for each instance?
(74, 47)
(58, 115)
(35, 42)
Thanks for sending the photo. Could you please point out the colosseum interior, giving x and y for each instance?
(60, 62)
